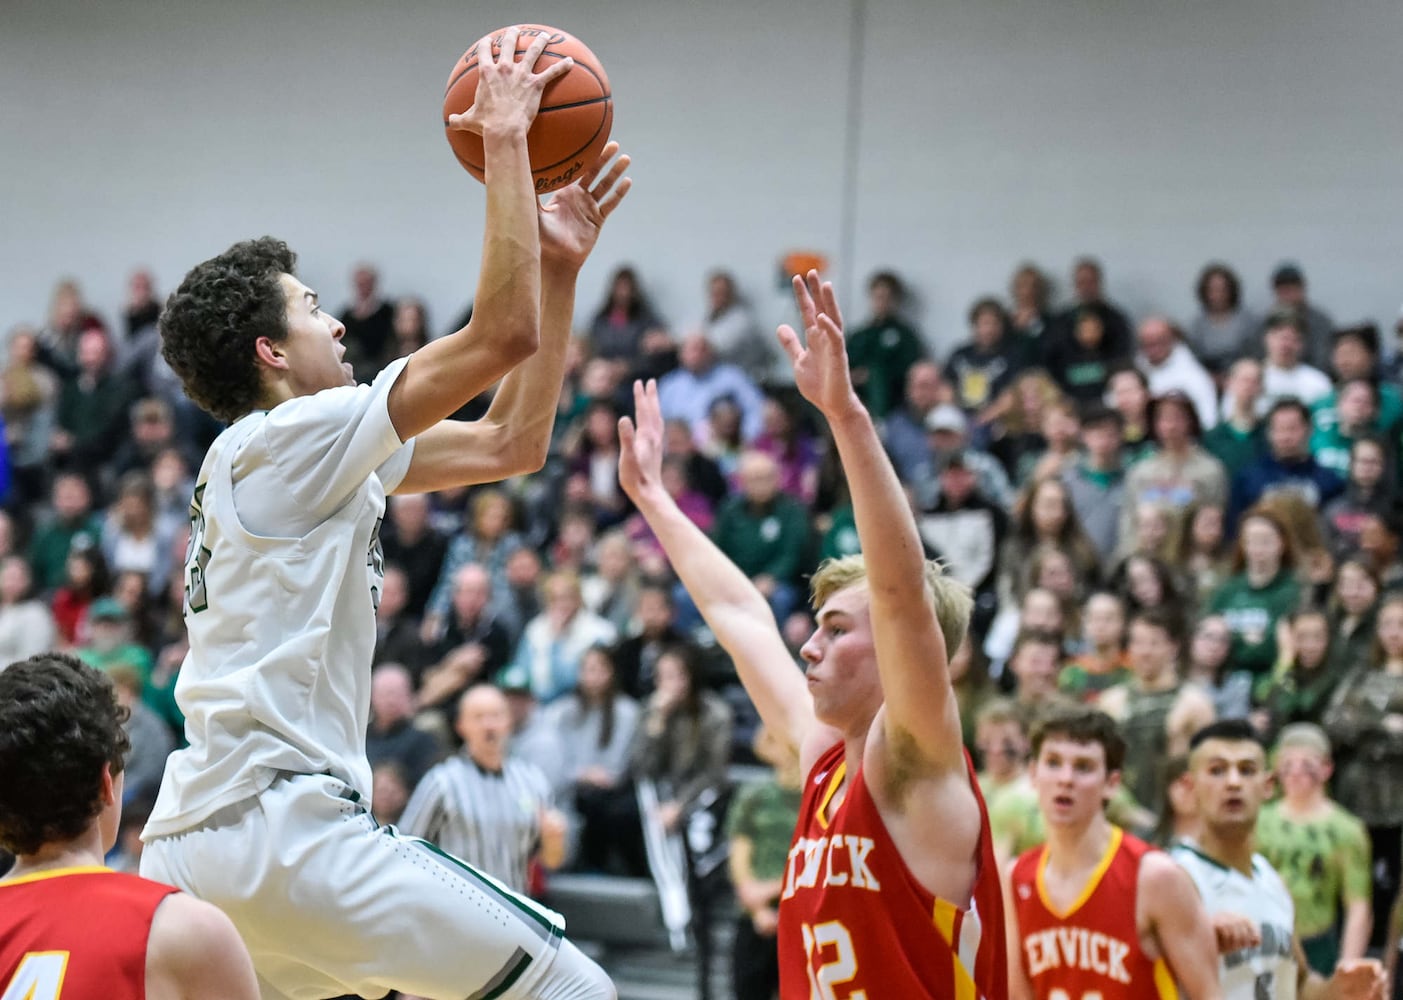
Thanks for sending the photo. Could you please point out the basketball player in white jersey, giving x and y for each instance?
(266, 812)
(1228, 768)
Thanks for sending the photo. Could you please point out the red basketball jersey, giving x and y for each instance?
(854, 924)
(1093, 948)
(76, 933)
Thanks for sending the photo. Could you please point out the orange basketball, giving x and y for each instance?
(572, 126)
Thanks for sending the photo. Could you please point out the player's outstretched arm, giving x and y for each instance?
(1181, 926)
(194, 953)
(513, 437)
(736, 612)
(920, 710)
(505, 329)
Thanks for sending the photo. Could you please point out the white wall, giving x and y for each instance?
(1154, 135)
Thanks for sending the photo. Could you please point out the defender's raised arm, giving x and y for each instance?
(912, 641)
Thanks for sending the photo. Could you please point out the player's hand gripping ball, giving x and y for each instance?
(572, 125)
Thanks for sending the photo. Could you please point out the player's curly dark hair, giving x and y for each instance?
(59, 723)
(211, 322)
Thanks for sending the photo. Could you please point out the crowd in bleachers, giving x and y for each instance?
(1179, 519)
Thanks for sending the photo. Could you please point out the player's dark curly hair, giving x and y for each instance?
(213, 319)
(59, 723)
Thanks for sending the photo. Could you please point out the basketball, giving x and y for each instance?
(572, 126)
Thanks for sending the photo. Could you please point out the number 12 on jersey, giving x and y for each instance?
(824, 978)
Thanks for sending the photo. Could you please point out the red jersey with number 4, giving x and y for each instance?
(76, 933)
(854, 924)
(1091, 949)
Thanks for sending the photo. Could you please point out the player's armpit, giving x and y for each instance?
(897, 756)
(194, 953)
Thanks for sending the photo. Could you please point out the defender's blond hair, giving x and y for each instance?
(950, 599)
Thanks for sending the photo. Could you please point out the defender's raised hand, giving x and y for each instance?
(641, 444)
(570, 222)
(821, 371)
(508, 91)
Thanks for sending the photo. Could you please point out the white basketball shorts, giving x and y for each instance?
(329, 902)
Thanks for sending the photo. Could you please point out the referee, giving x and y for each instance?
(491, 811)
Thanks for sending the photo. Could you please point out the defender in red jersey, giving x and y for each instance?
(71, 929)
(891, 890)
(1095, 912)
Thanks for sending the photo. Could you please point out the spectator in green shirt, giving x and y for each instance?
(91, 422)
(1320, 850)
(72, 517)
(764, 532)
(1356, 417)
(1262, 589)
(760, 826)
(1355, 355)
(884, 348)
(1238, 439)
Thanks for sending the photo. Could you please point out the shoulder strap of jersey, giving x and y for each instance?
(1135, 848)
(217, 491)
(1025, 868)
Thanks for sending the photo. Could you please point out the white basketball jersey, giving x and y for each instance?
(1268, 971)
(280, 599)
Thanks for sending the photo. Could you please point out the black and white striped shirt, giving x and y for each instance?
(490, 819)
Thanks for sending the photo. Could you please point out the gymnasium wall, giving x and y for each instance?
(949, 138)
